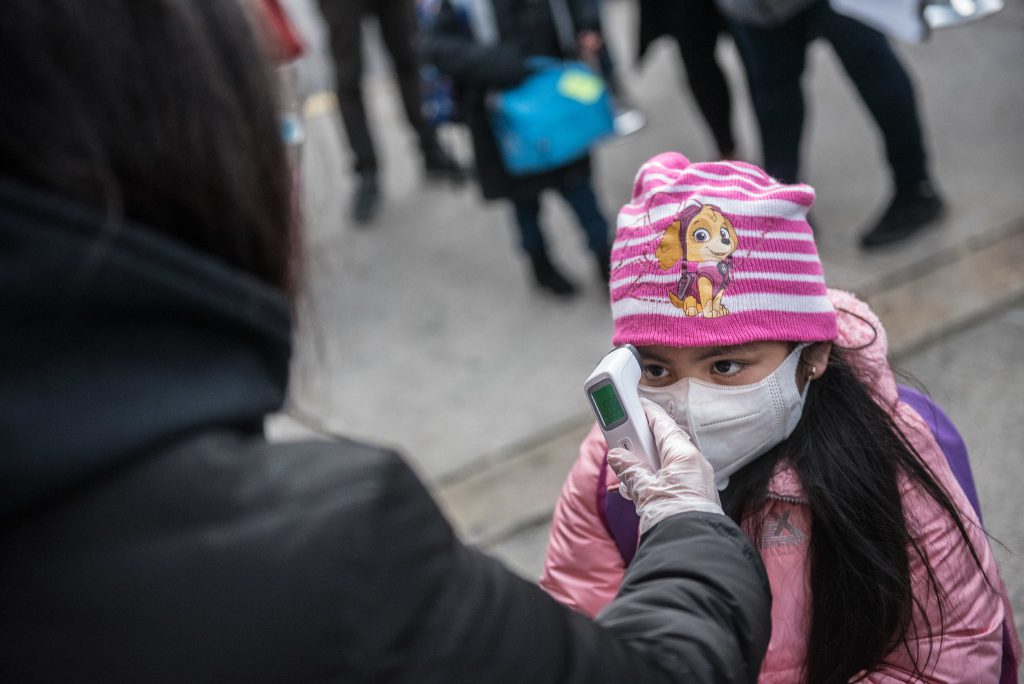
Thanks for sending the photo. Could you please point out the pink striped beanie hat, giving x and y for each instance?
(716, 253)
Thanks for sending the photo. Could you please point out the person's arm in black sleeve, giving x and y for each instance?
(719, 625)
(450, 47)
(694, 606)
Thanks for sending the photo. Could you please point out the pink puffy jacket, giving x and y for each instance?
(584, 567)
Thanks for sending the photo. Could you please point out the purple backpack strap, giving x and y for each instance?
(950, 441)
(618, 515)
(955, 451)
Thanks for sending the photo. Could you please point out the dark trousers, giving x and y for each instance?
(695, 26)
(774, 59)
(397, 21)
(581, 198)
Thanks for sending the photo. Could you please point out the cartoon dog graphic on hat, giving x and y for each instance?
(704, 239)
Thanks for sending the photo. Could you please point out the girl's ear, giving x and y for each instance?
(814, 361)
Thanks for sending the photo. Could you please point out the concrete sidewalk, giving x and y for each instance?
(422, 331)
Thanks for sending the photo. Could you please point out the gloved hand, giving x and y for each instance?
(686, 481)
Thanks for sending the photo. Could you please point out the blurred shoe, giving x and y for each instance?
(913, 207)
(366, 200)
(628, 121)
(439, 165)
(548, 277)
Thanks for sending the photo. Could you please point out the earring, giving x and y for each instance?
(814, 373)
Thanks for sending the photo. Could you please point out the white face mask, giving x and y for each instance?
(733, 425)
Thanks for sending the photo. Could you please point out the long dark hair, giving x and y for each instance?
(160, 111)
(849, 454)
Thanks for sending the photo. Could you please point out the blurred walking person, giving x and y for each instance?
(488, 45)
(773, 40)
(397, 21)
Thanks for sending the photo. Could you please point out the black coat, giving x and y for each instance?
(149, 533)
(526, 29)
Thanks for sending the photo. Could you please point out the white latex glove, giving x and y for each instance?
(686, 481)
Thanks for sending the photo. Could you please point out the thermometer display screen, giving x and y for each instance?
(609, 408)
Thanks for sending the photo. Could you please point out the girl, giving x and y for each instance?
(878, 565)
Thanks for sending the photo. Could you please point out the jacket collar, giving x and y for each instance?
(114, 340)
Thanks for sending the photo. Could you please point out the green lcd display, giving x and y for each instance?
(609, 408)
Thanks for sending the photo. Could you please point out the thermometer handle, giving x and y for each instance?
(612, 393)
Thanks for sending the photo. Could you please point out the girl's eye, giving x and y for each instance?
(652, 372)
(727, 367)
(701, 235)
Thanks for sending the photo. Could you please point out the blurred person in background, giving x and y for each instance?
(397, 21)
(773, 39)
(519, 30)
(149, 531)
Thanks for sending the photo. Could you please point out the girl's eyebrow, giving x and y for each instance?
(656, 357)
(724, 351)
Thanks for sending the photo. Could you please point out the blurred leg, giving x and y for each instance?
(885, 88)
(695, 26)
(607, 68)
(581, 198)
(583, 201)
(532, 241)
(888, 93)
(774, 60)
(398, 30)
(527, 212)
(343, 21)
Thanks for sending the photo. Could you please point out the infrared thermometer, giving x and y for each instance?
(612, 392)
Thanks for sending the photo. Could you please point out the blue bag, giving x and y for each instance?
(551, 119)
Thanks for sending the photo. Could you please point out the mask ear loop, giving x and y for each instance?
(799, 349)
(810, 378)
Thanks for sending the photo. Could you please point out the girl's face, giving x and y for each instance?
(735, 365)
